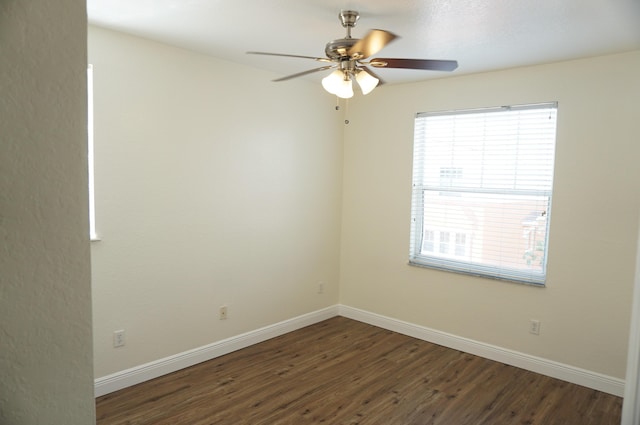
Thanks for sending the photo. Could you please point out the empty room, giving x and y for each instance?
(423, 242)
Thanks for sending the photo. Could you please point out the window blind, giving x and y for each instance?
(482, 191)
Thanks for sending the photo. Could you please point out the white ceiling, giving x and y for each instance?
(482, 35)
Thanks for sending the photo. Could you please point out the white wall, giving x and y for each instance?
(585, 308)
(46, 374)
(213, 186)
(216, 186)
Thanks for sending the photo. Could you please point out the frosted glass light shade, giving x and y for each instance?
(335, 83)
(332, 81)
(346, 90)
(366, 81)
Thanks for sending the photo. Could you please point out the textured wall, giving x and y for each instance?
(585, 308)
(45, 303)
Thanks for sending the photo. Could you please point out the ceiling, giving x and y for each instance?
(482, 35)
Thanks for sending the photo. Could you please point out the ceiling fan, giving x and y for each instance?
(350, 59)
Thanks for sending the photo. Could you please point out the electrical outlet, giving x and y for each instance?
(118, 338)
(320, 287)
(223, 312)
(534, 327)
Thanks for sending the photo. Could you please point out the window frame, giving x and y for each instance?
(93, 233)
(417, 257)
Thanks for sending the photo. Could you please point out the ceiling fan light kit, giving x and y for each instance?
(366, 81)
(348, 56)
(338, 83)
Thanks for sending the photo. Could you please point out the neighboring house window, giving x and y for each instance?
(444, 243)
(482, 190)
(449, 177)
(461, 244)
(428, 242)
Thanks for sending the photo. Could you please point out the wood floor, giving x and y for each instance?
(341, 371)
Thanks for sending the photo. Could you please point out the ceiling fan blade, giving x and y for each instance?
(300, 74)
(371, 44)
(373, 74)
(425, 64)
(290, 56)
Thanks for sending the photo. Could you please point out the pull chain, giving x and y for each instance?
(346, 109)
(346, 112)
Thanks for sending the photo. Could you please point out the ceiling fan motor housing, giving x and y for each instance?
(338, 49)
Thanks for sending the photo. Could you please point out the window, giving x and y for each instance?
(92, 203)
(482, 190)
(461, 244)
(428, 241)
(444, 243)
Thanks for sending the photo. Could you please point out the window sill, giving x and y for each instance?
(469, 272)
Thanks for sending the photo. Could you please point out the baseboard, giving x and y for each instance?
(539, 365)
(155, 369)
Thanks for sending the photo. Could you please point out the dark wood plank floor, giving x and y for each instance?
(341, 371)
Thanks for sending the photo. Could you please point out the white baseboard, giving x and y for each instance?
(155, 369)
(145, 372)
(597, 381)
